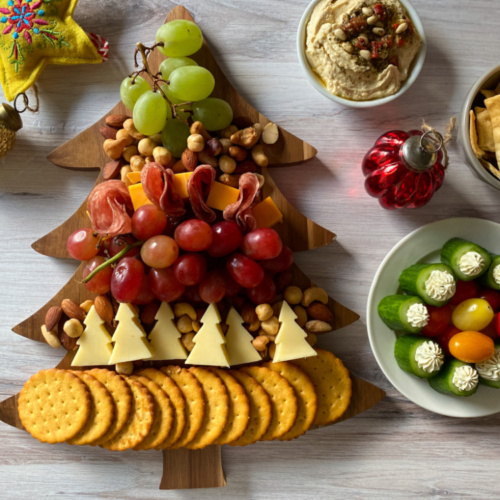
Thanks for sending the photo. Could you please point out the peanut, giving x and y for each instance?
(260, 342)
(122, 134)
(146, 146)
(137, 162)
(187, 341)
(264, 312)
(185, 324)
(125, 368)
(253, 327)
(129, 151)
(162, 155)
(271, 325)
(123, 174)
(293, 295)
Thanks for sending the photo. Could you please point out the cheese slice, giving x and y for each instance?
(266, 213)
(138, 195)
(239, 341)
(134, 177)
(291, 340)
(95, 342)
(180, 183)
(130, 342)
(221, 196)
(209, 348)
(165, 337)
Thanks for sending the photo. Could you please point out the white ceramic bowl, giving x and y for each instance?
(424, 245)
(488, 80)
(318, 85)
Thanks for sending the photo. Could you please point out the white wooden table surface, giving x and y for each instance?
(395, 450)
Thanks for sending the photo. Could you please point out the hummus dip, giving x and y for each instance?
(361, 49)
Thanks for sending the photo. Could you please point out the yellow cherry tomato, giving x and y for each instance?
(472, 314)
(471, 347)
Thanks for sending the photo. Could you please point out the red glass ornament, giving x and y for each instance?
(404, 169)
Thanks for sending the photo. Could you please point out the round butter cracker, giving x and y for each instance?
(164, 412)
(216, 408)
(332, 383)
(102, 413)
(307, 400)
(239, 408)
(139, 422)
(195, 402)
(176, 398)
(122, 398)
(54, 405)
(261, 411)
(283, 400)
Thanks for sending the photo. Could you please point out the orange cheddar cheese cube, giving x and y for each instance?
(180, 184)
(267, 213)
(134, 177)
(221, 196)
(138, 195)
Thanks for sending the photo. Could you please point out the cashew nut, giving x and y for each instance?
(51, 337)
(183, 308)
(187, 341)
(301, 314)
(87, 305)
(313, 294)
(318, 326)
(260, 342)
(271, 325)
(129, 126)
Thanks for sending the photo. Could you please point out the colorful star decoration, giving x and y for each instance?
(34, 33)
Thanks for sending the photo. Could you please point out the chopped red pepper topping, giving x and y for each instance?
(355, 26)
(360, 43)
(380, 11)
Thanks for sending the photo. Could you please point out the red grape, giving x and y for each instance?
(159, 251)
(263, 293)
(262, 243)
(192, 295)
(164, 285)
(83, 244)
(213, 286)
(190, 268)
(126, 281)
(148, 221)
(101, 282)
(280, 263)
(232, 288)
(193, 235)
(118, 243)
(227, 238)
(145, 295)
(245, 271)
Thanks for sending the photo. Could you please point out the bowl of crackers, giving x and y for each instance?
(479, 133)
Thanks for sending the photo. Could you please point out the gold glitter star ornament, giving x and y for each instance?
(34, 33)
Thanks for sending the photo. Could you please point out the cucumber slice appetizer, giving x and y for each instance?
(443, 381)
(488, 278)
(468, 260)
(414, 278)
(393, 311)
(405, 352)
(489, 370)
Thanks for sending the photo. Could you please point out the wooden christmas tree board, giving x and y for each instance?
(186, 468)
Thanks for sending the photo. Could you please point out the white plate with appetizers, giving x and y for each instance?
(424, 245)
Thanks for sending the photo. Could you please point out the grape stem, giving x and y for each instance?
(111, 260)
(145, 51)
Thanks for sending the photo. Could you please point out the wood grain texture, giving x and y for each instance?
(396, 450)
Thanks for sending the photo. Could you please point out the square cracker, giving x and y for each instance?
(473, 135)
(484, 130)
(493, 106)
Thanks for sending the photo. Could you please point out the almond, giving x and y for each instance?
(112, 169)
(72, 310)
(52, 317)
(108, 132)
(319, 311)
(67, 342)
(104, 308)
(189, 159)
(248, 313)
(116, 121)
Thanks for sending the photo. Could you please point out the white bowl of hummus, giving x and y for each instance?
(361, 53)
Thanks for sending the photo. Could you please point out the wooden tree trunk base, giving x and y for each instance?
(186, 469)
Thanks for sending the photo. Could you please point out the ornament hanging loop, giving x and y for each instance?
(26, 102)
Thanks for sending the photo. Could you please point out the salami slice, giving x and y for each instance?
(158, 185)
(199, 185)
(109, 205)
(241, 210)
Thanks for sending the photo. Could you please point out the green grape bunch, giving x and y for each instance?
(180, 91)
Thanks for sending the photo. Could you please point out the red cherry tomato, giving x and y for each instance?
(491, 296)
(465, 290)
(439, 320)
(490, 330)
(444, 339)
(496, 322)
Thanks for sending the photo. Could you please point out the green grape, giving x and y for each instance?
(215, 114)
(174, 136)
(150, 113)
(168, 65)
(184, 115)
(179, 38)
(191, 83)
(130, 92)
